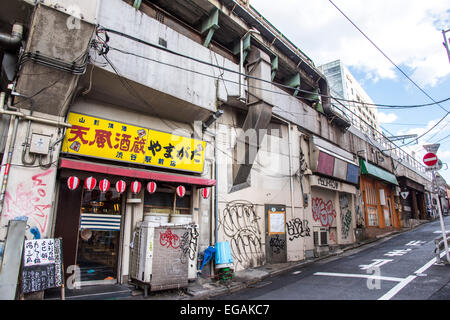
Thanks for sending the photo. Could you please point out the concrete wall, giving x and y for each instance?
(30, 189)
(191, 87)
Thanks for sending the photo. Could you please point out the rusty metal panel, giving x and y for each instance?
(170, 266)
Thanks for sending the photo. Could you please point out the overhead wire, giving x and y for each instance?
(102, 29)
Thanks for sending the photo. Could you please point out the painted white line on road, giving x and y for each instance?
(296, 272)
(440, 231)
(391, 293)
(353, 275)
(428, 264)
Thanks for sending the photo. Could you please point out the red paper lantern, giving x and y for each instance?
(104, 185)
(151, 187)
(90, 183)
(121, 186)
(181, 191)
(205, 193)
(136, 187)
(73, 182)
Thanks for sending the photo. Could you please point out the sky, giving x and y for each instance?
(409, 32)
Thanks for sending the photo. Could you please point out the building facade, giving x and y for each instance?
(202, 119)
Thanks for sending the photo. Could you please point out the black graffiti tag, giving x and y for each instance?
(297, 228)
(239, 223)
(189, 241)
(277, 244)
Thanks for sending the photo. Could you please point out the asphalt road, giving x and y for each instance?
(401, 267)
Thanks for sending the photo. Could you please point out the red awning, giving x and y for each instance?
(135, 173)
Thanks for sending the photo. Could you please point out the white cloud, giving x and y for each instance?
(408, 31)
(386, 117)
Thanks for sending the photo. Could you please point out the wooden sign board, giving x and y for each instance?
(42, 265)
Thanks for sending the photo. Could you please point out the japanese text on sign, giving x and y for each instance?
(102, 138)
(40, 251)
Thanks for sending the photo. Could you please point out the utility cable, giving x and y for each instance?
(102, 29)
(385, 55)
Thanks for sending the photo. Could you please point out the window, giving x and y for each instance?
(165, 200)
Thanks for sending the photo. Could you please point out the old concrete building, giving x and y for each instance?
(207, 100)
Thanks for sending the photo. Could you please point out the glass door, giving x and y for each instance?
(99, 235)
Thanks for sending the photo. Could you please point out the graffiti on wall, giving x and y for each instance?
(189, 241)
(346, 223)
(31, 201)
(346, 215)
(359, 213)
(323, 212)
(169, 239)
(297, 228)
(239, 223)
(277, 244)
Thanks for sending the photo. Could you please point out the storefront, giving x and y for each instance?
(412, 200)
(378, 188)
(333, 195)
(111, 177)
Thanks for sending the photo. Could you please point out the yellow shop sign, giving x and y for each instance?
(101, 138)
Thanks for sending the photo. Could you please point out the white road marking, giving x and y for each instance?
(296, 272)
(377, 263)
(428, 264)
(440, 231)
(391, 293)
(415, 243)
(357, 275)
(397, 252)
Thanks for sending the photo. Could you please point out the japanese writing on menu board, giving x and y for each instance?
(96, 137)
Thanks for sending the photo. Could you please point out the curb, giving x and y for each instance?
(246, 284)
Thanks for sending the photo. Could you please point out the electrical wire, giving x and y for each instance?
(385, 55)
(102, 29)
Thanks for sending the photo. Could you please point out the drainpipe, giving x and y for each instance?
(241, 64)
(12, 41)
(9, 148)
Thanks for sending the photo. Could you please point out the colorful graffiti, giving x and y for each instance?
(31, 200)
(323, 212)
(297, 228)
(239, 223)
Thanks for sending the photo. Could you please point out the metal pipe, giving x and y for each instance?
(444, 236)
(9, 157)
(13, 40)
(40, 120)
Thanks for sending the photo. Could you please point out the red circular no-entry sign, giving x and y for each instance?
(430, 159)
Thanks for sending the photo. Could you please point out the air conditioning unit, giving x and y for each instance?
(147, 244)
(320, 237)
(142, 252)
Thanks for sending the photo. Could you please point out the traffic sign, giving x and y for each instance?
(436, 167)
(404, 194)
(433, 148)
(430, 159)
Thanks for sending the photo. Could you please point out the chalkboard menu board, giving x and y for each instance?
(42, 267)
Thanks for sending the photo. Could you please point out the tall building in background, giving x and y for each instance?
(343, 85)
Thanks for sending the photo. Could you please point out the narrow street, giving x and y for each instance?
(403, 265)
